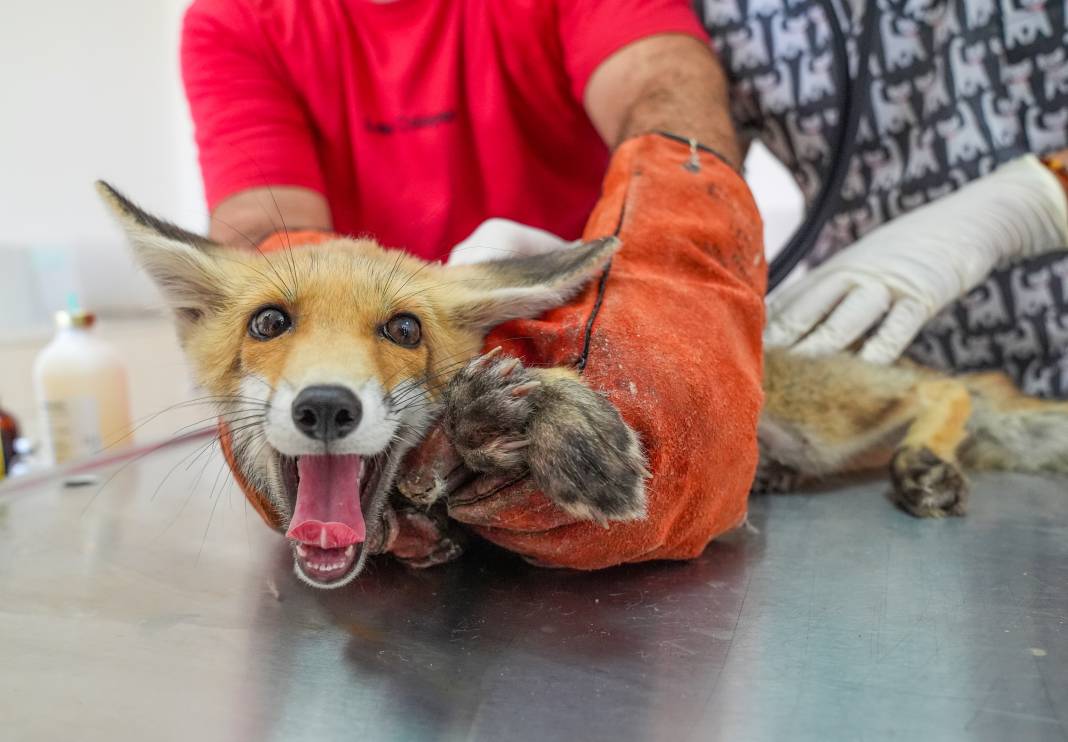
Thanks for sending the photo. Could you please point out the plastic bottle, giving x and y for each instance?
(80, 383)
(9, 431)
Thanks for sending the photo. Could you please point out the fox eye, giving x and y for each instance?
(404, 330)
(268, 323)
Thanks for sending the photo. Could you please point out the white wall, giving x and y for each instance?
(91, 90)
(777, 196)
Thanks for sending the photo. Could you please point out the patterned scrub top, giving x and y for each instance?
(957, 87)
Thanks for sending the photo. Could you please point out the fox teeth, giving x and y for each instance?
(350, 550)
(302, 550)
(327, 567)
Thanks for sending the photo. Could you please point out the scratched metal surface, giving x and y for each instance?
(123, 615)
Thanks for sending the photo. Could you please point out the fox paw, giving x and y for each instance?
(927, 486)
(504, 419)
(488, 408)
(774, 478)
(425, 539)
(431, 471)
(584, 456)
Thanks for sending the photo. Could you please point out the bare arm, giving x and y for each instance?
(670, 82)
(252, 214)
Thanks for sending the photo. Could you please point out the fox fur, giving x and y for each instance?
(822, 416)
(837, 414)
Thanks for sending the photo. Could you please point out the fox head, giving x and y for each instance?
(326, 361)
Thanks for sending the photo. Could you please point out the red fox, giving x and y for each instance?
(330, 363)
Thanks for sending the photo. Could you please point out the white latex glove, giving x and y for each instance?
(495, 239)
(900, 275)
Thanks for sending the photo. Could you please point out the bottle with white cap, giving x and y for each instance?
(80, 383)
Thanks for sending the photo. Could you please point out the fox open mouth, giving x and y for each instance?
(331, 494)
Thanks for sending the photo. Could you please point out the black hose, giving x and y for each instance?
(851, 108)
(851, 96)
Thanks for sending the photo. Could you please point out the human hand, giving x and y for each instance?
(900, 275)
(495, 239)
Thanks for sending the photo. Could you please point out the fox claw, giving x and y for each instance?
(485, 359)
(524, 389)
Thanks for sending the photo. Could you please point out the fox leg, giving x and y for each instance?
(505, 419)
(927, 478)
(827, 415)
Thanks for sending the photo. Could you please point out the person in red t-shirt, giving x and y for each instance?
(416, 120)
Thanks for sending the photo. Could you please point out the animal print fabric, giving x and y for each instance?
(958, 87)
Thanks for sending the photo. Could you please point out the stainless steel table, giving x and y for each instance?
(149, 611)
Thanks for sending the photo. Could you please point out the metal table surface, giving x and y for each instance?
(149, 611)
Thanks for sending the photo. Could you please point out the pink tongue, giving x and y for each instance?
(328, 512)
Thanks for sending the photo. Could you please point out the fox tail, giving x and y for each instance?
(1014, 432)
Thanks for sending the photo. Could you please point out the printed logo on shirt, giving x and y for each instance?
(409, 123)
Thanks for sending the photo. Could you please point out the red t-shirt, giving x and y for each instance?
(417, 119)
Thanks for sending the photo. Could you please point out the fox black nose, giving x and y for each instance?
(326, 413)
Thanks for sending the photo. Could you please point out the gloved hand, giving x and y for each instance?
(498, 238)
(671, 337)
(900, 275)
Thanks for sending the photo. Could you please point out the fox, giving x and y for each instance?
(330, 363)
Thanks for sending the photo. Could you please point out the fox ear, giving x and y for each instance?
(179, 262)
(525, 287)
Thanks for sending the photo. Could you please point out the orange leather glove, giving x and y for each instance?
(672, 336)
